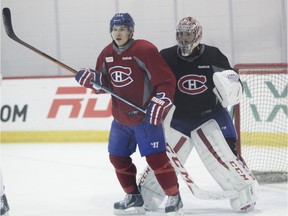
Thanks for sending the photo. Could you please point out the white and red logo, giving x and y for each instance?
(81, 101)
(120, 76)
(192, 84)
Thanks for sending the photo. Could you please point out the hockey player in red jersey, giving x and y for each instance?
(135, 70)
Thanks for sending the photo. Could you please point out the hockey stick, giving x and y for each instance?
(193, 187)
(197, 192)
(10, 32)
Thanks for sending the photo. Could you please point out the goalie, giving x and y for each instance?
(206, 85)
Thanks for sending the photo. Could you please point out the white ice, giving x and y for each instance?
(61, 179)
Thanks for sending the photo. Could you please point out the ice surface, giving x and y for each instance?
(65, 179)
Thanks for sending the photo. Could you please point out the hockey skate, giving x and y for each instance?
(133, 204)
(4, 206)
(174, 206)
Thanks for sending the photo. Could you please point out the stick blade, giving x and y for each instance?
(6, 14)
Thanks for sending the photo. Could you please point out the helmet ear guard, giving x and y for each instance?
(122, 19)
(188, 35)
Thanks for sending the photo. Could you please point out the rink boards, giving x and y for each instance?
(57, 109)
(54, 109)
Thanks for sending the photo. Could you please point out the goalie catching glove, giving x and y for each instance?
(86, 78)
(228, 87)
(157, 108)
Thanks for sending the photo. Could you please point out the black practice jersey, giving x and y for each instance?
(194, 75)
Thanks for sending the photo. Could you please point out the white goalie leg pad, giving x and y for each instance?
(227, 170)
(178, 141)
(151, 191)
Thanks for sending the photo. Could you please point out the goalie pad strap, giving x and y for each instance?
(179, 144)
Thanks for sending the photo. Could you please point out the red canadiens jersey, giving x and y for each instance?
(194, 92)
(135, 72)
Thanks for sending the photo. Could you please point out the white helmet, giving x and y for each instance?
(188, 34)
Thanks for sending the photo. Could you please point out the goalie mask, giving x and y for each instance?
(188, 35)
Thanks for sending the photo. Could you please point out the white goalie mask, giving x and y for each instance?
(188, 35)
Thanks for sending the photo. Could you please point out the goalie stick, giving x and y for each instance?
(173, 156)
(197, 192)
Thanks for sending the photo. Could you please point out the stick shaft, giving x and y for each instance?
(199, 193)
(10, 32)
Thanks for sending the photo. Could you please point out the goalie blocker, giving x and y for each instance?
(228, 87)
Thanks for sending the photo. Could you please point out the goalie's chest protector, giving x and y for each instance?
(194, 93)
(194, 79)
(194, 85)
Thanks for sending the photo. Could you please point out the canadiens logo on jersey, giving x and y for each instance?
(192, 84)
(120, 76)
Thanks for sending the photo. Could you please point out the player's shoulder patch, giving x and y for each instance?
(109, 59)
